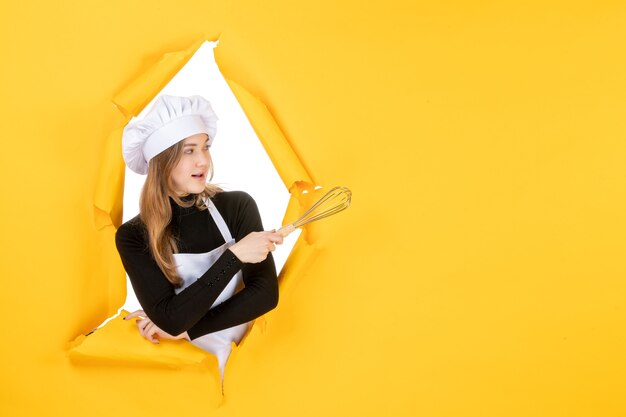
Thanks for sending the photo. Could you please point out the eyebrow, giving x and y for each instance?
(193, 144)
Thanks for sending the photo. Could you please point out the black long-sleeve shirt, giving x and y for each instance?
(196, 232)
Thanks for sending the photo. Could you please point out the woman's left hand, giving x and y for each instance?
(151, 331)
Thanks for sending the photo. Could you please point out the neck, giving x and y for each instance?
(187, 200)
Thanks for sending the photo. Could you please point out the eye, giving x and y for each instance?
(188, 151)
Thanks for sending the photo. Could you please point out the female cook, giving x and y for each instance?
(197, 257)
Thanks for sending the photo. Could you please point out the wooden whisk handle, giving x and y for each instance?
(286, 230)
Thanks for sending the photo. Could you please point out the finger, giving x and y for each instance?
(271, 247)
(138, 313)
(144, 327)
(150, 333)
(141, 325)
(276, 238)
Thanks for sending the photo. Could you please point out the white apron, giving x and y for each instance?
(190, 267)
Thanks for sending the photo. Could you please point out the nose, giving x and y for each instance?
(202, 160)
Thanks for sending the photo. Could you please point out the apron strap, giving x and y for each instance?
(219, 220)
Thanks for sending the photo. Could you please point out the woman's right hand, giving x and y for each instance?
(255, 246)
(151, 331)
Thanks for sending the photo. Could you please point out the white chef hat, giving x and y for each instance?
(170, 120)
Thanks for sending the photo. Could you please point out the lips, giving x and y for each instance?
(198, 176)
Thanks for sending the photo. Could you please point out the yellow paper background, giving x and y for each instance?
(479, 271)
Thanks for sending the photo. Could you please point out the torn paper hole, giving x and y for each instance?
(200, 75)
(240, 163)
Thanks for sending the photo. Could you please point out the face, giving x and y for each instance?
(190, 174)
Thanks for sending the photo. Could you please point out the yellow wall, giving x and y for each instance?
(479, 271)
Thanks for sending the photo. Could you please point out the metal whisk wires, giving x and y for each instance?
(334, 201)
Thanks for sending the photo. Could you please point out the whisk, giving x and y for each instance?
(334, 201)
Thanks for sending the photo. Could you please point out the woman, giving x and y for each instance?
(197, 257)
